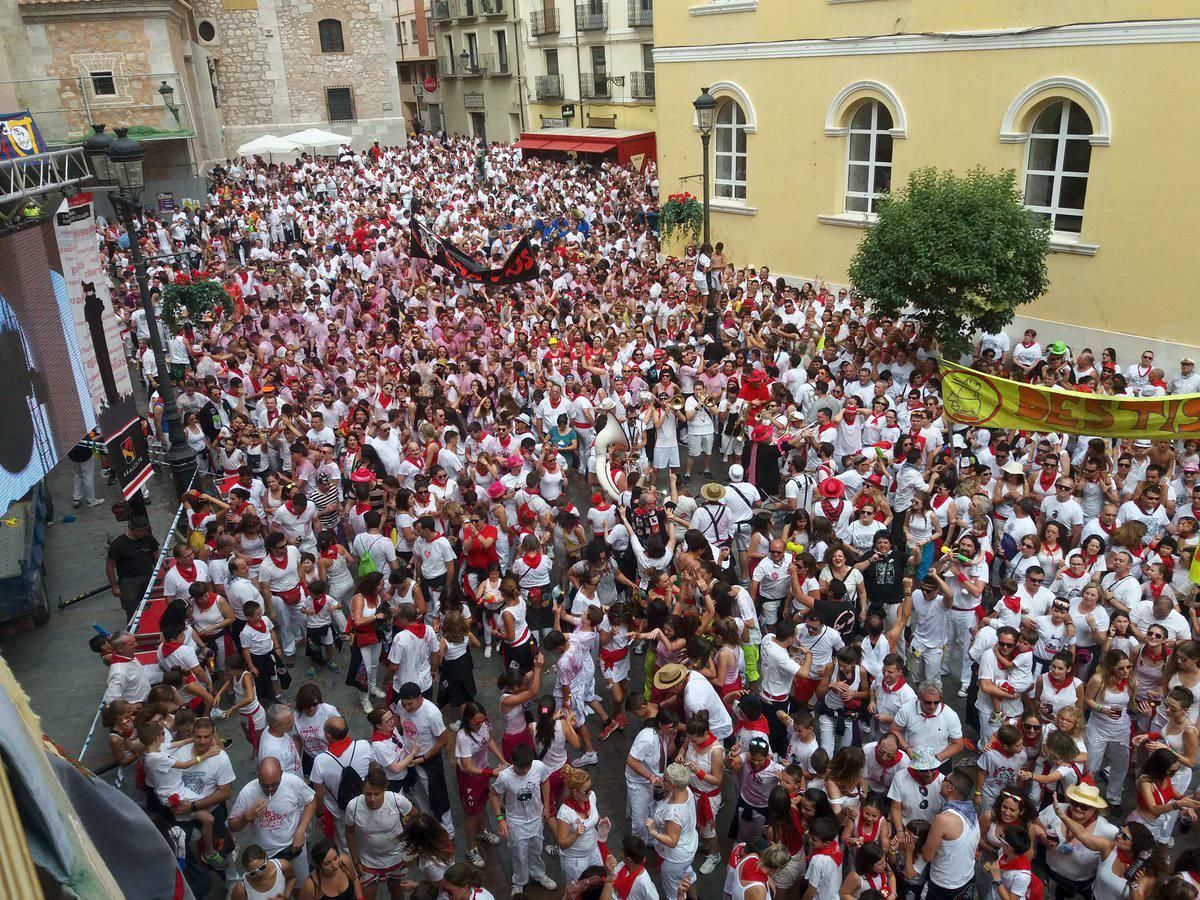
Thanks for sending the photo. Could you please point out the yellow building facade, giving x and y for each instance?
(823, 104)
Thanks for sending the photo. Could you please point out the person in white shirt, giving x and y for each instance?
(280, 741)
(435, 562)
(275, 811)
(1062, 507)
(330, 766)
(374, 827)
(126, 678)
(424, 730)
(698, 693)
(519, 797)
(929, 724)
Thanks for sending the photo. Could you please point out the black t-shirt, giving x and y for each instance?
(133, 558)
(840, 615)
(884, 579)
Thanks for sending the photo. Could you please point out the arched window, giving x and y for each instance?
(1056, 166)
(729, 150)
(330, 31)
(869, 160)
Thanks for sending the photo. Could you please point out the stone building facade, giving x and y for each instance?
(283, 65)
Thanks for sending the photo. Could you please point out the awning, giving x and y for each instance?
(533, 143)
(595, 146)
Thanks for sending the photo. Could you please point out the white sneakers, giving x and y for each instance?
(547, 883)
(378, 692)
(588, 759)
(710, 862)
(367, 705)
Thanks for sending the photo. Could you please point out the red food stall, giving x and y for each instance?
(613, 144)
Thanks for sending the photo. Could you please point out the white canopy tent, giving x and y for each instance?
(267, 145)
(317, 139)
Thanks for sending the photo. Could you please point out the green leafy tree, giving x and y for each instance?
(960, 254)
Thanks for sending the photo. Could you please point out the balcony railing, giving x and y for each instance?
(469, 9)
(593, 85)
(473, 100)
(641, 13)
(440, 10)
(591, 16)
(548, 87)
(482, 64)
(499, 66)
(543, 21)
(641, 85)
(447, 67)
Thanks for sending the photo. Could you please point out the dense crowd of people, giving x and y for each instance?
(398, 483)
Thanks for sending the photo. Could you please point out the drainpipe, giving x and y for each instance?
(578, 65)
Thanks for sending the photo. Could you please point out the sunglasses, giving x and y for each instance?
(1035, 580)
(1006, 645)
(258, 870)
(1032, 727)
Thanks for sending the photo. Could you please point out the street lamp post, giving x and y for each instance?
(706, 108)
(117, 165)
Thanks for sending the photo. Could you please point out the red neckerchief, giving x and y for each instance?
(626, 875)
(290, 507)
(1110, 529)
(417, 630)
(1121, 686)
(1049, 548)
(280, 560)
(583, 807)
(260, 625)
(188, 572)
(900, 682)
(1016, 864)
(858, 829)
(1045, 486)
(707, 742)
(337, 748)
(329, 553)
(118, 658)
(1030, 742)
(533, 560)
(849, 415)
(380, 736)
(1001, 749)
(933, 501)
(833, 850)
(205, 607)
(1057, 685)
(1156, 590)
(169, 647)
(318, 603)
(832, 512)
(887, 763)
(362, 508)
(751, 868)
(760, 725)
(1012, 603)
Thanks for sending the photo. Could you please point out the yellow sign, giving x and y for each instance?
(975, 398)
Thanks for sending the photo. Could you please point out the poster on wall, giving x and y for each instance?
(101, 366)
(129, 456)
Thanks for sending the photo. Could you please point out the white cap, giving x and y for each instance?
(736, 473)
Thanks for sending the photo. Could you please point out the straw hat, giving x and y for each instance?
(1086, 795)
(669, 676)
(713, 492)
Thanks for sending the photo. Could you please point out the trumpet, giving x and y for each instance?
(677, 402)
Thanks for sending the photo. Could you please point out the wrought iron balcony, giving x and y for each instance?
(591, 16)
(593, 85)
(543, 21)
(548, 87)
(641, 85)
(481, 65)
(641, 13)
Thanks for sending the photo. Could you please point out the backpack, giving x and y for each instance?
(351, 784)
(366, 565)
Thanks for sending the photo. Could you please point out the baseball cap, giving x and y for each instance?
(409, 691)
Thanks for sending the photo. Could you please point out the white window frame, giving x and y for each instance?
(731, 184)
(871, 163)
(1054, 210)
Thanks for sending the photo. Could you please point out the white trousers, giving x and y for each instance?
(83, 482)
(961, 622)
(526, 854)
(828, 737)
(641, 802)
(926, 663)
(370, 657)
(1114, 751)
(290, 622)
(672, 873)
